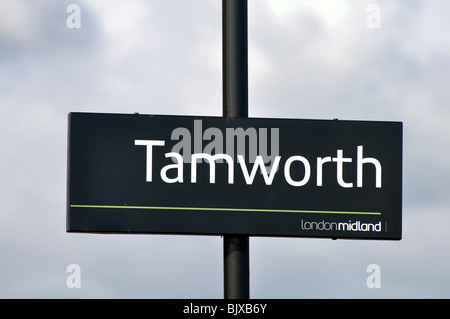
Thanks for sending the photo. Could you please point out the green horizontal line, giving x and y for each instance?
(228, 209)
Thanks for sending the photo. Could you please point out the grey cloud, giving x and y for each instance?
(300, 68)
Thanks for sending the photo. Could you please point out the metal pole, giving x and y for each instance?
(235, 61)
(235, 104)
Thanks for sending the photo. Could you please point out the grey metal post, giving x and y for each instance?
(235, 104)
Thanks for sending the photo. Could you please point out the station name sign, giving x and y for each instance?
(251, 176)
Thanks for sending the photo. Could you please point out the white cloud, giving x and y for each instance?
(424, 39)
(161, 57)
(125, 27)
(330, 10)
(16, 21)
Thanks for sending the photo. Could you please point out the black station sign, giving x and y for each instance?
(132, 173)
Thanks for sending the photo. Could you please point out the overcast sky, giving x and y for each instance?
(319, 59)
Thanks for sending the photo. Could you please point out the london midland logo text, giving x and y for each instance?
(340, 226)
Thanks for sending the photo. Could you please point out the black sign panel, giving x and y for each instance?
(251, 176)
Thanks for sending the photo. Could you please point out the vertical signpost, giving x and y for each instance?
(235, 104)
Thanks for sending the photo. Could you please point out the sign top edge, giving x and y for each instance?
(221, 117)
